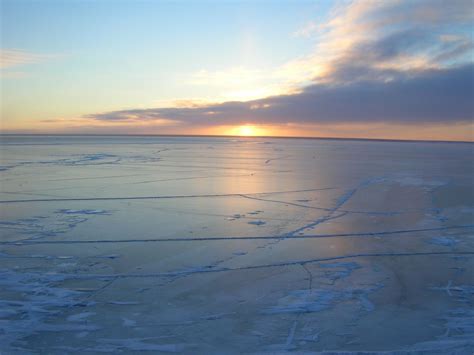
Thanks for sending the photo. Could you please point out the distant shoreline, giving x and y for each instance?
(226, 136)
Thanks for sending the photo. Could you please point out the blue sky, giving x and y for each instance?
(176, 67)
(128, 53)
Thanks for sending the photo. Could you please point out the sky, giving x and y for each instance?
(390, 69)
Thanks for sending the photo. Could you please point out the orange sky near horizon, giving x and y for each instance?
(441, 132)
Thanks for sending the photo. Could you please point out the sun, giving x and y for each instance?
(246, 130)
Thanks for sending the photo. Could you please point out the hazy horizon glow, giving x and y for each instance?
(362, 69)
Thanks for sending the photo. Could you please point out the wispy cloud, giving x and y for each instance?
(390, 35)
(15, 57)
(238, 83)
(307, 30)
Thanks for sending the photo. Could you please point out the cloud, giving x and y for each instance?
(378, 62)
(133, 116)
(358, 40)
(238, 83)
(431, 96)
(307, 30)
(357, 36)
(15, 57)
(390, 34)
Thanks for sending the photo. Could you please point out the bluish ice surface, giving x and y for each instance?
(235, 245)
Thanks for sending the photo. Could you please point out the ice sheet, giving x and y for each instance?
(251, 245)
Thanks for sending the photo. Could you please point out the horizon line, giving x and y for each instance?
(235, 136)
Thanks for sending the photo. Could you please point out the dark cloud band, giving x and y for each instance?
(432, 96)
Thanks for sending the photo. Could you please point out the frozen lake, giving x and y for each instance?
(235, 245)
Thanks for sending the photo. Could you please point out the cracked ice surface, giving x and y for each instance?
(216, 245)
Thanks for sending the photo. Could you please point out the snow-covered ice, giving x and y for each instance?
(226, 245)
